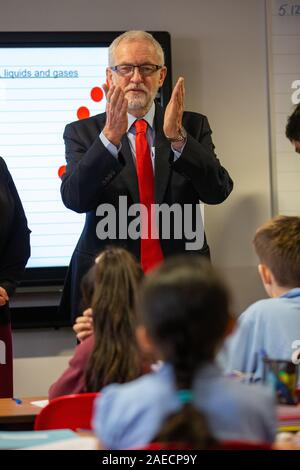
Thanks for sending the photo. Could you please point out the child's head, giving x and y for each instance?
(277, 244)
(185, 310)
(113, 283)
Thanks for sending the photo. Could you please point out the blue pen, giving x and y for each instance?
(17, 400)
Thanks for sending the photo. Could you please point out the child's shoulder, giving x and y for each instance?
(250, 396)
(253, 404)
(274, 302)
(121, 406)
(263, 308)
(147, 387)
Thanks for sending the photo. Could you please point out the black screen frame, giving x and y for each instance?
(54, 276)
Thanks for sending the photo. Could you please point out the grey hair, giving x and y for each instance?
(131, 36)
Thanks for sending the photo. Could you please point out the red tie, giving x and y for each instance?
(151, 253)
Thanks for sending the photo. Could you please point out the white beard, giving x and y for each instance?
(142, 101)
(137, 102)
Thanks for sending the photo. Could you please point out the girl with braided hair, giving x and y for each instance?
(185, 317)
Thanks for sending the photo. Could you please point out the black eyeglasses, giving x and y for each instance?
(127, 70)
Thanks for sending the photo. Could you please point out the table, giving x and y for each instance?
(18, 417)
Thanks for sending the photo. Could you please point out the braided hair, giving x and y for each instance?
(185, 309)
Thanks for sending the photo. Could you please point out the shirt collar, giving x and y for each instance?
(149, 117)
(292, 293)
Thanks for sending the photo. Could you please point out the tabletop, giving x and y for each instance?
(19, 412)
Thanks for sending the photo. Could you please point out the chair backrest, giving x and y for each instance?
(163, 446)
(67, 412)
(242, 445)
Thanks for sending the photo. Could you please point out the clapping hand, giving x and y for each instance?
(174, 110)
(116, 114)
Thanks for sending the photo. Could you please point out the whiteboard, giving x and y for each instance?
(283, 26)
(41, 90)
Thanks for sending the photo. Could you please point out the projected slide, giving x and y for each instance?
(41, 90)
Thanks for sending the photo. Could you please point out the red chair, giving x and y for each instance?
(67, 412)
(163, 446)
(242, 445)
(222, 445)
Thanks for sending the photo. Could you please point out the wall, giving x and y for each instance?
(220, 48)
(40, 357)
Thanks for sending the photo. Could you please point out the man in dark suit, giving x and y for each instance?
(104, 166)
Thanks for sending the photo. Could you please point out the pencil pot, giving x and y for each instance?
(282, 376)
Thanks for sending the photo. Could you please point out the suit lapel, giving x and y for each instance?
(128, 174)
(162, 157)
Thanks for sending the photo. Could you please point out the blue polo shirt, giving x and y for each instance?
(131, 414)
(269, 325)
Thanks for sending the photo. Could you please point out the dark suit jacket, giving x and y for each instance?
(14, 237)
(93, 177)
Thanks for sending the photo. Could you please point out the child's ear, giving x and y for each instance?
(144, 340)
(265, 274)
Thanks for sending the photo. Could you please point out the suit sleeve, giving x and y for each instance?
(199, 163)
(17, 248)
(90, 168)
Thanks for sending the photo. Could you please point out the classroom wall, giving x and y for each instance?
(220, 48)
(40, 357)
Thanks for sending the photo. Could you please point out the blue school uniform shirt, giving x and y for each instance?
(129, 415)
(271, 326)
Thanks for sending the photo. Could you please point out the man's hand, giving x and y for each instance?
(116, 114)
(83, 327)
(174, 110)
(3, 297)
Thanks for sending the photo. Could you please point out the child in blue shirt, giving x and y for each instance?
(185, 311)
(270, 326)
